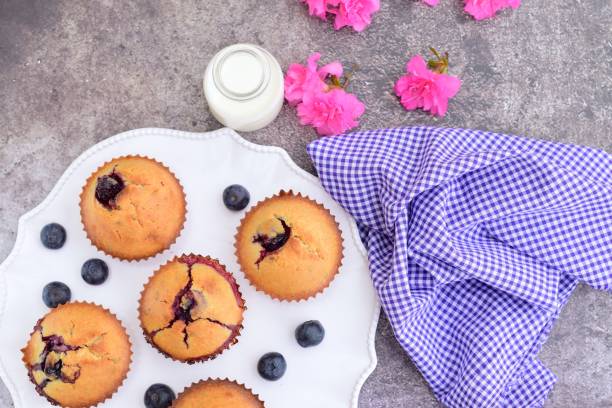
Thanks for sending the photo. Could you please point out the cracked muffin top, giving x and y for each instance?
(289, 246)
(77, 355)
(191, 309)
(217, 394)
(132, 207)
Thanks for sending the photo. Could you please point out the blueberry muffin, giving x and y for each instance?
(289, 246)
(191, 309)
(132, 207)
(217, 394)
(78, 355)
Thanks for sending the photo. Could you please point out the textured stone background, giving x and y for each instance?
(73, 73)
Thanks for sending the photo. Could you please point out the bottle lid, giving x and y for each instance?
(241, 72)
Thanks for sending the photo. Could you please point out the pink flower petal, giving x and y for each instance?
(333, 68)
(448, 84)
(313, 61)
(417, 66)
(294, 83)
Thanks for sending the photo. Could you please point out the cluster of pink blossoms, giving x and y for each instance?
(352, 13)
(322, 102)
(358, 13)
(320, 97)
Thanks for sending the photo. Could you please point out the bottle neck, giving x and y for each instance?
(241, 72)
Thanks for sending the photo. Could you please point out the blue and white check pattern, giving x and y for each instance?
(476, 241)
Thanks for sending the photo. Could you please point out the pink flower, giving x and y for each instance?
(482, 9)
(320, 97)
(353, 13)
(432, 2)
(299, 77)
(317, 8)
(330, 113)
(426, 89)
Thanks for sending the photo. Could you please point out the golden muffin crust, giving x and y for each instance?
(144, 217)
(217, 394)
(191, 309)
(77, 355)
(289, 246)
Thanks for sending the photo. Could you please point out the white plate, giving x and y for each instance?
(329, 375)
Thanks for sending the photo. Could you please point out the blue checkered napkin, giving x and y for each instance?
(476, 241)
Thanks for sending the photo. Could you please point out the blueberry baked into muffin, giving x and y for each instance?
(289, 246)
(132, 207)
(78, 355)
(217, 394)
(191, 309)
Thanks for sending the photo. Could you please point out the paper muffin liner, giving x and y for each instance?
(105, 397)
(283, 193)
(219, 381)
(93, 175)
(231, 341)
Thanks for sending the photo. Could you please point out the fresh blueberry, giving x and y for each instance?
(159, 396)
(53, 236)
(94, 271)
(236, 197)
(55, 294)
(310, 333)
(272, 366)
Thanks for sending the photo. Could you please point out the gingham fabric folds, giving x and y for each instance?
(476, 240)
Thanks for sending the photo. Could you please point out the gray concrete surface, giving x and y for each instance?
(73, 73)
